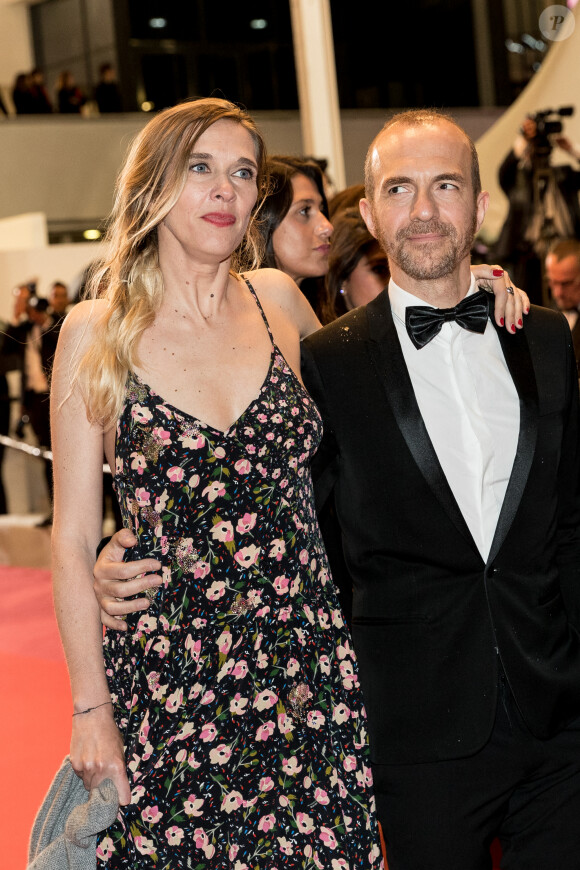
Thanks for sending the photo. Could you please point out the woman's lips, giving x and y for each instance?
(219, 219)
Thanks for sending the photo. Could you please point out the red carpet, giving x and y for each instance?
(35, 720)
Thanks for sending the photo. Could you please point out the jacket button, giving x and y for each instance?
(493, 572)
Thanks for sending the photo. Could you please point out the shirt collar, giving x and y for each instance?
(401, 299)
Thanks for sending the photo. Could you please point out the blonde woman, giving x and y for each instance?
(228, 715)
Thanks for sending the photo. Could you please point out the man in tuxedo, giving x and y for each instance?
(563, 274)
(452, 452)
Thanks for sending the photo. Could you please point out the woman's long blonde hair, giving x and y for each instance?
(129, 278)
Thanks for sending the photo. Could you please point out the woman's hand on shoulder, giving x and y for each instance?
(281, 290)
(511, 303)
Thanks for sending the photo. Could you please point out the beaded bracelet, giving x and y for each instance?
(88, 710)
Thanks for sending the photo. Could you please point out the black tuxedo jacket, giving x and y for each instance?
(431, 622)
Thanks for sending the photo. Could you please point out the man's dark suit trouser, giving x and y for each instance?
(444, 815)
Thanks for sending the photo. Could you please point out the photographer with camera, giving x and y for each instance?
(543, 199)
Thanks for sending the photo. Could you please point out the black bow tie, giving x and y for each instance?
(424, 323)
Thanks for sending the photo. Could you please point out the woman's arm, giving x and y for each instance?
(96, 744)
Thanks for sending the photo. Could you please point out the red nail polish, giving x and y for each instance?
(527, 311)
(501, 320)
(498, 273)
(520, 322)
(513, 328)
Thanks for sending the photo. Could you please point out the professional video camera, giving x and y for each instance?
(546, 126)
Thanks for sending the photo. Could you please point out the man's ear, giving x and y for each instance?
(482, 206)
(367, 216)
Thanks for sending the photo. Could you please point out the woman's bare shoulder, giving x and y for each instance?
(82, 318)
(277, 289)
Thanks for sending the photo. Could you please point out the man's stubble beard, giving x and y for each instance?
(424, 264)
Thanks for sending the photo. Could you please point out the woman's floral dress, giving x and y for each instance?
(237, 692)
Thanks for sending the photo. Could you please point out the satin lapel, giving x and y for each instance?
(385, 351)
(519, 362)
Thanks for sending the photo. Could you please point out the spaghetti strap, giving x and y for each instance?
(259, 304)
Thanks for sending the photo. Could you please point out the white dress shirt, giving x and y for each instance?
(470, 407)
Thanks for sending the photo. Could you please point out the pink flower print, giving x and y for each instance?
(137, 793)
(105, 849)
(265, 731)
(303, 556)
(284, 613)
(285, 723)
(290, 766)
(233, 851)
(175, 474)
(324, 664)
(144, 730)
(321, 796)
(208, 733)
(266, 783)
(216, 590)
(322, 618)
(243, 466)
(219, 453)
(315, 719)
(162, 436)
(224, 642)
(276, 418)
(192, 762)
(300, 636)
(269, 436)
(220, 754)
(247, 556)
(340, 714)
(262, 418)
(143, 497)
(261, 660)
(328, 838)
(146, 623)
(231, 802)
(214, 490)
(349, 763)
(193, 481)
(208, 698)
(201, 570)
(240, 669)
(341, 864)
(185, 731)
(223, 531)
(368, 775)
(238, 705)
(246, 523)
(281, 584)
(292, 667)
(344, 650)
(165, 410)
(305, 823)
(285, 846)
(151, 815)
(144, 846)
(174, 701)
(283, 800)
(192, 439)
(337, 619)
(181, 756)
(265, 699)
(164, 545)
(266, 823)
(225, 670)
(118, 470)
(141, 414)
(295, 586)
(192, 806)
(277, 549)
(162, 647)
(201, 841)
(349, 678)
(139, 464)
(174, 835)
